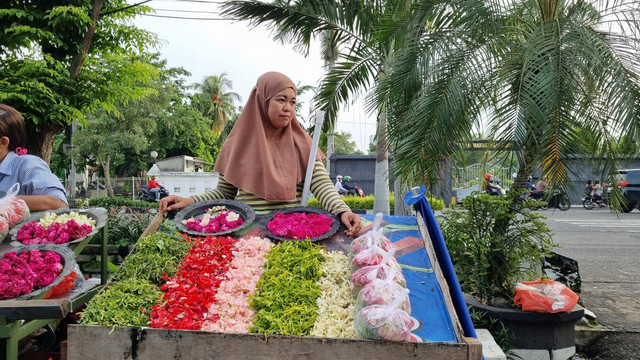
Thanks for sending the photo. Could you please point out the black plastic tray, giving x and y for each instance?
(198, 209)
(267, 218)
(97, 214)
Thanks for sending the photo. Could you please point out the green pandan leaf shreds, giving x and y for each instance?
(153, 257)
(124, 303)
(285, 299)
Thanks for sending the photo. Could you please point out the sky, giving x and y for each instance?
(213, 47)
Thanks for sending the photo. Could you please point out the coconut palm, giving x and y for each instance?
(363, 54)
(540, 73)
(213, 92)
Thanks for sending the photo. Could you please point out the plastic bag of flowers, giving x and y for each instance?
(13, 209)
(366, 274)
(384, 292)
(372, 238)
(373, 256)
(384, 322)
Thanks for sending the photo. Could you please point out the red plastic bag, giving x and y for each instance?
(63, 286)
(545, 296)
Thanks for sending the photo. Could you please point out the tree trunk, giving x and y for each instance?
(40, 139)
(78, 59)
(381, 188)
(107, 176)
(400, 208)
(330, 143)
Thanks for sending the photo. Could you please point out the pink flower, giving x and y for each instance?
(30, 270)
(300, 225)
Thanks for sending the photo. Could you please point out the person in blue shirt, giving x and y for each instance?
(39, 188)
(347, 186)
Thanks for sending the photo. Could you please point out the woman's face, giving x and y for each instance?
(282, 106)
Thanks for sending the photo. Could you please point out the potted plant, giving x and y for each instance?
(494, 245)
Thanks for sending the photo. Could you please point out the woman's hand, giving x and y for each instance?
(174, 202)
(351, 221)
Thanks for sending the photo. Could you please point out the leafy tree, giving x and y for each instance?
(108, 136)
(217, 100)
(59, 58)
(364, 53)
(343, 145)
(538, 70)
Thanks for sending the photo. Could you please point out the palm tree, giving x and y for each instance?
(213, 91)
(329, 53)
(540, 73)
(363, 54)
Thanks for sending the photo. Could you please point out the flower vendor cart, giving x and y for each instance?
(22, 316)
(440, 327)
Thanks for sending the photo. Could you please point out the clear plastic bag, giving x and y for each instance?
(545, 295)
(4, 228)
(366, 274)
(14, 210)
(372, 238)
(384, 322)
(383, 292)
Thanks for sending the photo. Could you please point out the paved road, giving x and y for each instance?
(607, 248)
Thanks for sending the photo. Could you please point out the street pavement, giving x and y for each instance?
(607, 248)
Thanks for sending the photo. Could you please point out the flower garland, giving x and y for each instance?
(56, 229)
(28, 271)
(214, 220)
(300, 225)
(231, 311)
(192, 290)
(336, 305)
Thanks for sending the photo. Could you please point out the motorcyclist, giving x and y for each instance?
(529, 185)
(490, 185)
(154, 187)
(347, 186)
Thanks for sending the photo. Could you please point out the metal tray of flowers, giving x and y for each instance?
(98, 215)
(208, 211)
(67, 261)
(292, 229)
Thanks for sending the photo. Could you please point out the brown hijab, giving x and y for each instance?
(259, 158)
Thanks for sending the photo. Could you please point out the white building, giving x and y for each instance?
(184, 175)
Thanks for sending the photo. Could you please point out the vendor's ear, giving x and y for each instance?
(4, 141)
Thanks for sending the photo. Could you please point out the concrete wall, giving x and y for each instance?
(361, 168)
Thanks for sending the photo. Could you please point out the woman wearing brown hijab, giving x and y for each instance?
(264, 159)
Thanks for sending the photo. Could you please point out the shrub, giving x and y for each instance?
(120, 201)
(366, 203)
(493, 244)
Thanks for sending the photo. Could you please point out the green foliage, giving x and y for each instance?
(494, 244)
(120, 201)
(123, 303)
(215, 102)
(38, 44)
(342, 144)
(366, 203)
(498, 330)
(153, 257)
(125, 229)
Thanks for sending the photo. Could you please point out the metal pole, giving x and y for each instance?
(312, 157)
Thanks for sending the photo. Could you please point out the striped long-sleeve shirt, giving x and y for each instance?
(321, 187)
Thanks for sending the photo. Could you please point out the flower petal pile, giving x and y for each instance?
(192, 290)
(300, 225)
(336, 307)
(231, 311)
(30, 270)
(285, 300)
(56, 229)
(216, 219)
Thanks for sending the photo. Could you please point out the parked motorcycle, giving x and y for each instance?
(146, 195)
